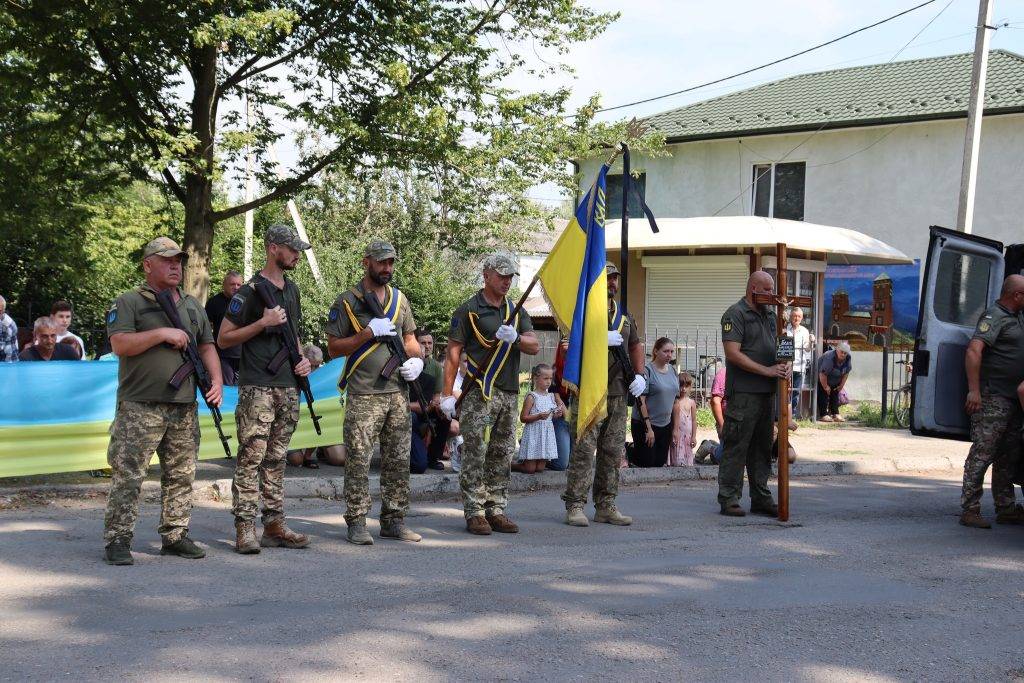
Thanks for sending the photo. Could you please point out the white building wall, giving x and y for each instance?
(890, 187)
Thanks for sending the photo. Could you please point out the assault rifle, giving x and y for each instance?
(193, 365)
(289, 350)
(398, 356)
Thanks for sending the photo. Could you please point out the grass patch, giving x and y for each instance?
(870, 415)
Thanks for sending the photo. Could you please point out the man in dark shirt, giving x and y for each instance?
(44, 331)
(216, 308)
(995, 367)
(748, 337)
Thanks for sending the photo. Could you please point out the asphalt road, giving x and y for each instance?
(873, 580)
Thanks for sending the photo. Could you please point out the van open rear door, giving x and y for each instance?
(962, 277)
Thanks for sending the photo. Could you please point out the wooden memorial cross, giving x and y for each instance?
(784, 352)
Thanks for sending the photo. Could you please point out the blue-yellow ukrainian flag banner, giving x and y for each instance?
(576, 289)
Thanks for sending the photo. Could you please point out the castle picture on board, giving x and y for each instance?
(871, 306)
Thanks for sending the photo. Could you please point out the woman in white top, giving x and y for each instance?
(803, 343)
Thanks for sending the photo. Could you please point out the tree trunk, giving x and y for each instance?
(199, 224)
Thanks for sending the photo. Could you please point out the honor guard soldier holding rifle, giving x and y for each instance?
(377, 406)
(752, 373)
(995, 367)
(268, 400)
(490, 396)
(152, 415)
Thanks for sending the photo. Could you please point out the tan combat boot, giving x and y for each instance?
(502, 524)
(245, 539)
(278, 535)
(973, 518)
(574, 516)
(1011, 515)
(611, 515)
(478, 525)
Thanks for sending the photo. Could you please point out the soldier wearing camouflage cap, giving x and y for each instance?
(595, 458)
(268, 399)
(376, 407)
(152, 415)
(493, 340)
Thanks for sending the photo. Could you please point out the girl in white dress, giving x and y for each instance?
(538, 444)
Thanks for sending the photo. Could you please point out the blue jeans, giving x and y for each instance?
(564, 442)
(798, 384)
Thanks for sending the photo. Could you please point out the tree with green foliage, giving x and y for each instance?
(415, 85)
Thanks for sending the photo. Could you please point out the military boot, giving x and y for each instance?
(358, 534)
(398, 530)
(765, 507)
(478, 525)
(245, 539)
(118, 552)
(574, 516)
(183, 547)
(610, 514)
(973, 518)
(502, 524)
(278, 535)
(1011, 515)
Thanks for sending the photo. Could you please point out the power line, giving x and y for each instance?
(765, 66)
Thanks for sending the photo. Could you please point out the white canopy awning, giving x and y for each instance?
(840, 245)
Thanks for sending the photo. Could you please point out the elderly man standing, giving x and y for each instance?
(377, 407)
(45, 346)
(493, 344)
(151, 414)
(995, 368)
(748, 336)
(216, 308)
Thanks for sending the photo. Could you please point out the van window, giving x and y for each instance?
(961, 292)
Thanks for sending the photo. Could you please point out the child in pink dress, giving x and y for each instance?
(684, 425)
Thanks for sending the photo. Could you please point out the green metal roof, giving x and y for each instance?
(878, 94)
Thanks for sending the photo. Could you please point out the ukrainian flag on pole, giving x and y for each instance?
(576, 289)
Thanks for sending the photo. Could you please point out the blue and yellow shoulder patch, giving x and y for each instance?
(112, 315)
(333, 315)
(235, 307)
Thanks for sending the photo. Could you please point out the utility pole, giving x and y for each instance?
(972, 142)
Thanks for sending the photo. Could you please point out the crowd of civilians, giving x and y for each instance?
(669, 440)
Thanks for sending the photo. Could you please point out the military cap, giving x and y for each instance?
(610, 268)
(162, 246)
(502, 263)
(380, 250)
(279, 233)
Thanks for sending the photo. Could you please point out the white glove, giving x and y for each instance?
(638, 386)
(448, 407)
(411, 369)
(507, 333)
(614, 338)
(382, 327)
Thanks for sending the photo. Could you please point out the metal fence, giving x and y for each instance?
(897, 371)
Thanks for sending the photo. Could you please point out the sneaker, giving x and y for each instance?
(183, 547)
(973, 518)
(838, 418)
(825, 418)
(574, 516)
(436, 465)
(611, 515)
(478, 525)
(398, 530)
(502, 524)
(118, 552)
(358, 535)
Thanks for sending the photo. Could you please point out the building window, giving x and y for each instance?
(878, 320)
(779, 190)
(613, 195)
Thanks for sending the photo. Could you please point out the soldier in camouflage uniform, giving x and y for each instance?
(151, 415)
(995, 367)
(268, 402)
(377, 407)
(477, 326)
(596, 456)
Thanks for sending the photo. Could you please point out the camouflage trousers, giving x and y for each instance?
(487, 464)
(139, 429)
(596, 457)
(746, 444)
(368, 418)
(995, 431)
(266, 418)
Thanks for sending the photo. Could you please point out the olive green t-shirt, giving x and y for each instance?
(617, 385)
(1002, 363)
(755, 332)
(144, 377)
(366, 378)
(245, 308)
(488, 319)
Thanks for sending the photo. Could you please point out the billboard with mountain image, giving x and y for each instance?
(871, 306)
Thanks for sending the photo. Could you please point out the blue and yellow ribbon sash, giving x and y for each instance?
(392, 305)
(486, 377)
(615, 318)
